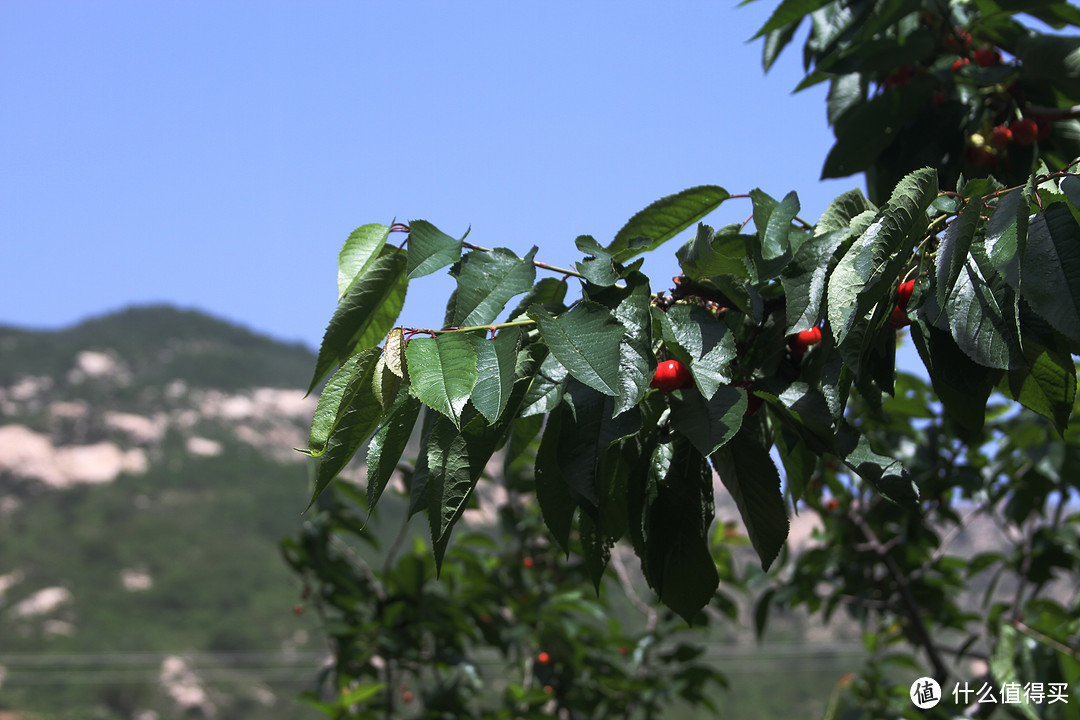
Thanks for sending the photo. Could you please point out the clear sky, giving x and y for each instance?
(216, 155)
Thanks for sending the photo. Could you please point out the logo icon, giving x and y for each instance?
(925, 693)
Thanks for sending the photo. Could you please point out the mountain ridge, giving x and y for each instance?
(144, 335)
(146, 477)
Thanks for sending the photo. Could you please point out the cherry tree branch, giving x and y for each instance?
(537, 263)
(911, 607)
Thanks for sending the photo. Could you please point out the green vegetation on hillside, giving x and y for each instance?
(159, 344)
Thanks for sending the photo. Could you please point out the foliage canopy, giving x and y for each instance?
(962, 119)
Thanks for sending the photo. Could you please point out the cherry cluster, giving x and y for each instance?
(1006, 124)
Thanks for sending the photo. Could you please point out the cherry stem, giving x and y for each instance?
(537, 263)
(1049, 113)
(409, 332)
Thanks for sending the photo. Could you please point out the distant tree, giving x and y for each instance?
(777, 337)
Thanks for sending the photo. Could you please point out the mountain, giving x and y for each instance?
(146, 477)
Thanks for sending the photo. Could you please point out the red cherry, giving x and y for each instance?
(407, 697)
(903, 294)
(805, 339)
(960, 63)
(899, 318)
(1000, 136)
(987, 56)
(671, 375)
(543, 658)
(900, 77)
(832, 505)
(528, 563)
(753, 402)
(961, 38)
(1025, 131)
(298, 610)
(980, 156)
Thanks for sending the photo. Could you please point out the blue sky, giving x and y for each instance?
(216, 155)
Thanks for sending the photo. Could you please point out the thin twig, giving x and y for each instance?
(1046, 640)
(941, 672)
(631, 594)
(537, 263)
(396, 545)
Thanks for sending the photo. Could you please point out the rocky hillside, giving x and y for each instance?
(146, 476)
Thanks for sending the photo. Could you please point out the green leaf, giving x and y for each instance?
(548, 292)
(331, 406)
(1003, 663)
(842, 211)
(486, 281)
(419, 480)
(865, 130)
(868, 271)
(360, 694)
(630, 305)
(802, 407)
(798, 460)
(546, 390)
(714, 253)
(614, 469)
(1047, 386)
(664, 219)
(595, 549)
(766, 259)
(804, 279)
(1006, 233)
(694, 335)
(358, 414)
(638, 452)
(366, 313)
(495, 363)
(442, 371)
(450, 480)
(586, 431)
(789, 11)
(599, 268)
(388, 443)
(1051, 270)
(887, 475)
(962, 385)
(456, 459)
(557, 505)
(520, 446)
(585, 341)
(980, 312)
(360, 250)
(845, 92)
(953, 251)
(1070, 186)
(386, 382)
(750, 476)
(1051, 59)
(775, 235)
(430, 249)
(708, 424)
(775, 42)
(678, 563)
